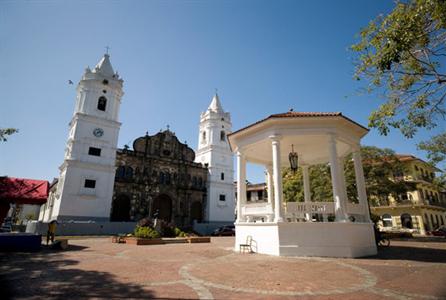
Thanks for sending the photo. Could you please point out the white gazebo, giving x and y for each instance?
(288, 229)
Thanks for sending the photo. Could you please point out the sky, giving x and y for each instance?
(264, 57)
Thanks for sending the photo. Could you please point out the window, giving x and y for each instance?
(222, 135)
(120, 172)
(94, 151)
(387, 220)
(162, 178)
(89, 183)
(105, 81)
(129, 172)
(203, 137)
(222, 176)
(102, 103)
(406, 221)
(222, 197)
(260, 195)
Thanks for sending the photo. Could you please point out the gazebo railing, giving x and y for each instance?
(297, 211)
(258, 210)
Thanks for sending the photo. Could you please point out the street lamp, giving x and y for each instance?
(293, 157)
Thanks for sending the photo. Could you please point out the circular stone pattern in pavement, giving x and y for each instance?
(280, 276)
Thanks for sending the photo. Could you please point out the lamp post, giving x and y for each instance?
(294, 159)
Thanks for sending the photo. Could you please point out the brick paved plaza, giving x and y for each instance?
(96, 268)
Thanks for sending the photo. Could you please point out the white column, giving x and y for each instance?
(307, 191)
(340, 213)
(360, 184)
(277, 175)
(241, 185)
(269, 172)
(344, 197)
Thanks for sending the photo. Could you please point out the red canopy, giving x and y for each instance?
(23, 191)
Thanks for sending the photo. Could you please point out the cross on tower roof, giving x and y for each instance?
(106, 49)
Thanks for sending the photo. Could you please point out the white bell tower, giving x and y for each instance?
(85, 187)
(213, 151)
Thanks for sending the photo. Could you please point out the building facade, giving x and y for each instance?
(159, 178)
(420, 210)
(85, 187)
(215, 153)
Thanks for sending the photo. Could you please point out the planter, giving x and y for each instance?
(199, 239)
(177, 240)
(118, 239)
(143, 241)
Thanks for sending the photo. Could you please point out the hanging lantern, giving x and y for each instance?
(293, 157)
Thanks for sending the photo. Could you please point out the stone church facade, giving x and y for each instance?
(159, 176)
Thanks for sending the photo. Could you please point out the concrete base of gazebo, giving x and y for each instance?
(323, 239)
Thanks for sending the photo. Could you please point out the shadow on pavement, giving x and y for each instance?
(46, 275)
(411, 253)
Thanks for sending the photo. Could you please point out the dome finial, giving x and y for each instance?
(106, 49)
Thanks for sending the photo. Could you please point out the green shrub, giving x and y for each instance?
(146, 232)
(179, 232)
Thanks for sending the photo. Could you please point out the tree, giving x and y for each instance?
(400, 55)
(436, 153)
(320, 184)
(4, 132)
(382, 172)
(436, 148)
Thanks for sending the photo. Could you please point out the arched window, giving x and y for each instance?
(406, 221)
(102, 103)
(200, 182)
(442, 220)
(222, 135)
(168, 178)
(120, 172)
(128, 172)
(438, 220)
(203, 137)
(162, 177)
(194, 181)
(432, 222)
(387, 220)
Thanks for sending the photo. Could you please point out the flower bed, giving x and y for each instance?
(143, 241)
(198, 239)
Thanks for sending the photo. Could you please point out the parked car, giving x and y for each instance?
(441, 231)
(228, 230)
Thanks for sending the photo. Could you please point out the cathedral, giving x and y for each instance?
(160, 176)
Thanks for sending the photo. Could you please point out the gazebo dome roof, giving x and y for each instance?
(300, 114)
(309, 132)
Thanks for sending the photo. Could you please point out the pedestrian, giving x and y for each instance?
(51, 231)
